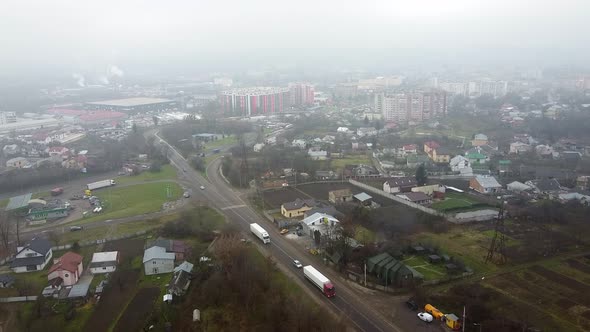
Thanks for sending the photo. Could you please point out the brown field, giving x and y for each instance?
(273, 199)
(138, 310)
(579, 266)
(320, 191)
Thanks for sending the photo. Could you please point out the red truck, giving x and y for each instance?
(57, 191)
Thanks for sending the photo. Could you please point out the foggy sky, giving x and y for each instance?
(77, 36)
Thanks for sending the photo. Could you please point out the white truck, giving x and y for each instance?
(100, 184)
(319, 280)
(260, 233)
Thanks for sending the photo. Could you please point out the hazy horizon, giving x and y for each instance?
(68, 37)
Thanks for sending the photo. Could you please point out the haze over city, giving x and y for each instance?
(295, 165)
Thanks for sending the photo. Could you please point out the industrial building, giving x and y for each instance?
(131, 105)
(83, 117)
(7, 117)
(254, 101)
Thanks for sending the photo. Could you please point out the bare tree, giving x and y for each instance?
(5, 230)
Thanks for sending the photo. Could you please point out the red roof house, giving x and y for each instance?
(68, 268)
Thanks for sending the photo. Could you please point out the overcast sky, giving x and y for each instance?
(59, 35)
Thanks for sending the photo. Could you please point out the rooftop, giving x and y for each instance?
(69, 262)
(106, 256)
(363, 197)
(157, 253)
(488, 181)
(18, 202)
(299, 203)
(130, 102)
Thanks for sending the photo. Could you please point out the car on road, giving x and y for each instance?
(186, 194)
(284, 231)
(297, 264)
(76, 228)
(202, 187)
(412, 305)
(426, 317)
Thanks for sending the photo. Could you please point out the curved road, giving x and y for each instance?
(221, 196)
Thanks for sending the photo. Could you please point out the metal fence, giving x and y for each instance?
(18, 299)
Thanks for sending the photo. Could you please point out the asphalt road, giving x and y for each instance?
(219, 194)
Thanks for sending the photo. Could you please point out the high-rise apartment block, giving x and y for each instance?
(301, 94)
(414, 106)
(254, 101)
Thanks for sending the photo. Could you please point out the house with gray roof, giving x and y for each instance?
(181, 279)
(485, 184)
(34, 256)
(297, 207)
(156, 260)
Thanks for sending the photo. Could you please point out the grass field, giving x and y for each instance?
(112, 230)
(168, 172)
(220, 142)
(134, 200)
(363, 235)
(430, 271)
(456, 202)
(340, 163)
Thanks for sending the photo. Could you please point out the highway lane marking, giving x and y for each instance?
(234, 207)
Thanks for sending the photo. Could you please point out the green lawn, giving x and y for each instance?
(134, 200)
(455, 201)
(220, 142)
(430, 271)
(356, 160)
(167, 172)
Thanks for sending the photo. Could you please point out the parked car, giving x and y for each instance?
(76, 228)
(297, 264)
(202, 187)
(412, 305)
(426, 317)
(284, 231)
(186, 194)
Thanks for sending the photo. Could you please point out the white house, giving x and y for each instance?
(342, 130)
(156, 260)
(104, 262)
(32, 257)
(317, 154)
(518, 186)
(458, 163)
(18, 162)
(519, 147)
(366, 131)
(401, 184)
(324, 223)
(299, 143)
(258, 147)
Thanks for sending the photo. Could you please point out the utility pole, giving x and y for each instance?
(463, 318)
(365, 274)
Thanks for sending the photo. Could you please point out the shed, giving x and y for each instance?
(433, 259)
(418, 249)
(6, 280)
(363, 198)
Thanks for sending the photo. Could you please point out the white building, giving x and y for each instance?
(258, 147)
(461, 164)
(317, 154)
(324, 223)
(366, 131)
(7, 117)
(156, 260)
(18, 162)
(104, 262)
(32, 257)
(299, 143)
(519, 147)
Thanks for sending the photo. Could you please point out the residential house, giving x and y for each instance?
(431, 190)
(477, 158)
(479, 139)
(516, 186)
(325, 175)
(34, 256)
(328, 209)
(583, 199)
(340, 196)
(297, 207)
(58, 152)
(485, 184)
(366, 132)
(317, 154)
(364, 199)
(18, 162)
(66, 270)
(299, 143)
(416, 197)
(258, 147)
(461, 164)
(397, 185)
(104, 262)
(6, 280)
(11, 150)
(181, 279)
(545, 151)
(323, 223)
(358, 146)
(519, 147)
(364, 170)
(410, 149)
(571, 157)
(440, 155)
(180, 249)
(429, 146)
(156, 260)
(545, 186)
(343, 130)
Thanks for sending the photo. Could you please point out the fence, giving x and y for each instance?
(18, 299)
(397, 199)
